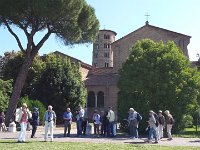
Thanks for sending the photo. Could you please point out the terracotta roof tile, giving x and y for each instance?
(106, 79)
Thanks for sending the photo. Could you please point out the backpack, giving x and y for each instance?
(139, 117)
(172, 120)
(156, 117)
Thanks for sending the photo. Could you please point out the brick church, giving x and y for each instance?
(108, 55)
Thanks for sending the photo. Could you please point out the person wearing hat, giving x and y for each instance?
(50, 122)
(152, 127)
(161, 124)
(22, 116)
(169, 122)
(35, 121)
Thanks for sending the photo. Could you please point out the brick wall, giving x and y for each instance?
(121, 48)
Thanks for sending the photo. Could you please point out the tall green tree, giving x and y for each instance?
(5, 92)
(71, 21)
(61, 85)
(158, 77)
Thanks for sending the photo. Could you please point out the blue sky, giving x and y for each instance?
(123, 17)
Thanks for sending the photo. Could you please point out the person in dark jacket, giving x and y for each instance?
(104, 123)
(35, 121)
(161, 124)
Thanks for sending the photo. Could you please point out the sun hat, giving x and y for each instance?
(24, 104)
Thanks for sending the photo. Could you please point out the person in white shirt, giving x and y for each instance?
(50, 122)
(152, 127)
(79, 120)
(96, 119)
(133, 123)
(111, 119)
(22, 116)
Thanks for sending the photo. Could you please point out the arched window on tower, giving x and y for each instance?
(106, 45)
(106, 65)
(91, 99)
(106, 36)
(100, 99)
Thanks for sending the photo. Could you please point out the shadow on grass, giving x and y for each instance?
(136, 142)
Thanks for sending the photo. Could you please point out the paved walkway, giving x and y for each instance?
(58, 137)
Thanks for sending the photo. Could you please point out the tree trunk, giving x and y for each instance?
(18, 86)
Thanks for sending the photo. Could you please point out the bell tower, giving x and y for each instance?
(102, 51)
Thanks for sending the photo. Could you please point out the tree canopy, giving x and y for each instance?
(158, 77)
(61, 85)
(71, 21)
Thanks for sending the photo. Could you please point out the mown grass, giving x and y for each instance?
(11, 145)
(189, 133)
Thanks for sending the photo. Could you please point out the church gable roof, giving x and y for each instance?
(74, 60)
(154, 28)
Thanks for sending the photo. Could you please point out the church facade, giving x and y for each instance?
(109, 55)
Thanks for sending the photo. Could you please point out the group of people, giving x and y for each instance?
(104, 123)
(23, 116)
(156, 123)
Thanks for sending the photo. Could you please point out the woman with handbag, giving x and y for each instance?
(22, 116)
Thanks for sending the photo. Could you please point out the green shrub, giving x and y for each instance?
(187, 121)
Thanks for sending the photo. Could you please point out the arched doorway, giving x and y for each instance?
(91, 99)
(100, 99)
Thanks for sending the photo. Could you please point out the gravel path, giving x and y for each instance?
(58, 137)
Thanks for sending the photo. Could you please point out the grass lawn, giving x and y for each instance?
(11, 145)
(189, 133)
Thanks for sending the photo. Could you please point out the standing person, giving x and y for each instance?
(79, 120)
(161, 124)
(67, 122)
(169, 122)
(111, 122)
(35, 121)
(104, 123)
(50, 122)
(152, 127)
(2, 120)
(22, 116)
(96, 119)
(133, 123)
(84, 121)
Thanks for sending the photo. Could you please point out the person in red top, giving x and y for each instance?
(22, 115)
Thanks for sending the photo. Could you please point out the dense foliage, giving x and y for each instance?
(158, 77)
(5, 92)
(52, 80)
(61, 85)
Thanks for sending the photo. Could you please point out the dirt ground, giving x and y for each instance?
(58, 137)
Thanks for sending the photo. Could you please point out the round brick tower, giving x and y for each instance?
(102, 51)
